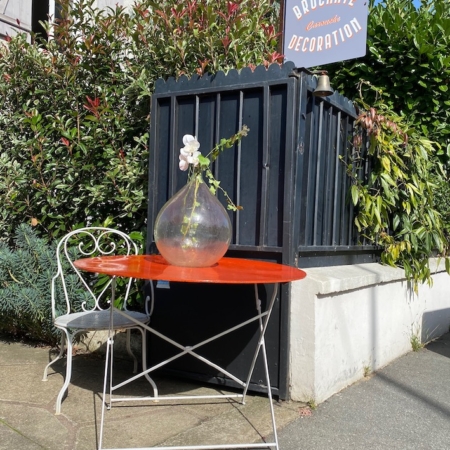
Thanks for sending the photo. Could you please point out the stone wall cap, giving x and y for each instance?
(326, 280)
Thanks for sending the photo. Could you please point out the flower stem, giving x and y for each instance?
(187, 221)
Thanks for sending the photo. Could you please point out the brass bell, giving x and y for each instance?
(323, 88)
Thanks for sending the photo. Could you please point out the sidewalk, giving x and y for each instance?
(404, 406)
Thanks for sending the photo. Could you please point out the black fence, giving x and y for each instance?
(289, 175)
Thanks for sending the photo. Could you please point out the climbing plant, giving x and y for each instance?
(395, 200)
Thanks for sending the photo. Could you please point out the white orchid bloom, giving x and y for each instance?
(193, 158)
(190, 143)
(189, 153)
(183, 164)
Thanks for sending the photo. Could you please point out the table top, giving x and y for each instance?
(227, 270)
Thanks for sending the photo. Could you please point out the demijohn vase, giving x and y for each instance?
(193, 229)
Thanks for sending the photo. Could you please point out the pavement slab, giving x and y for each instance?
(31, 426)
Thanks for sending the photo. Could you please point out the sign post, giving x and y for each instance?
(318, 32)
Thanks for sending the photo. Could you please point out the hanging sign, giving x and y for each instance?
(318, 32)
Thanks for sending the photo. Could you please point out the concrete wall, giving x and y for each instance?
(10, 11)
(346, 320)
(13, 10)
(101, 4)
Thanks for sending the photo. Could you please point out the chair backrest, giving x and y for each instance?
(96, 295)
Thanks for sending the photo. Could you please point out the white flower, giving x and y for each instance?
(189, 153)
(183, 164)
(190, 143)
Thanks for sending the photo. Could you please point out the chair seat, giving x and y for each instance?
(99, 320)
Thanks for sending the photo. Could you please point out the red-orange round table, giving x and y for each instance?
(227, 271)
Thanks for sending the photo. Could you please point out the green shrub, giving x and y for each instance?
(407, 58)
(74, 111)
(74, 120)
(441, 202)
(26, 271)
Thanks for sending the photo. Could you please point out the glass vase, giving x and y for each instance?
(193, 229)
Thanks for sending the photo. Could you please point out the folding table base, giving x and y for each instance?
(262, 317)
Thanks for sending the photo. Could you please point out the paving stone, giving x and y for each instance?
(33, 427)
(139, 428)
(11, 439)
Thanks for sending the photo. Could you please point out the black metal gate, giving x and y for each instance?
(288, 176)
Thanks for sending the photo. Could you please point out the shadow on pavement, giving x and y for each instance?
(441, 346)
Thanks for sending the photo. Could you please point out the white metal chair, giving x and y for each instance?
(95, 313)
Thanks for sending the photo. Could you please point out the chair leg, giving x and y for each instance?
(144, 362)
(69, 340)
(61, 351)
(130, 352)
